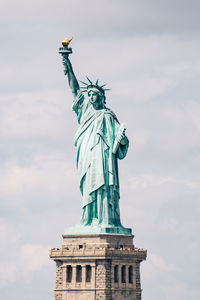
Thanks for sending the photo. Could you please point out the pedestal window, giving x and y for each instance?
(69, 273)
(130, 274)
(78, 273)
(88, 273)
(123, 274)
(116, 275)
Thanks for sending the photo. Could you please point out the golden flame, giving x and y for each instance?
(66, 42)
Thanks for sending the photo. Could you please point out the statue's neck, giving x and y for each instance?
(96, 106)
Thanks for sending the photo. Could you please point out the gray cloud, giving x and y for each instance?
(114, 17)
(148, 53)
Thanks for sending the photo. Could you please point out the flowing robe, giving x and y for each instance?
(96, 162)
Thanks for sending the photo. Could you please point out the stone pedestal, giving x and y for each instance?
(98, 267)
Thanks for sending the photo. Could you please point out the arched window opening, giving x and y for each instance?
(78, 273)
(88, 273)
(123, 274)
(69, 273)
(116, 275)
(130, 274)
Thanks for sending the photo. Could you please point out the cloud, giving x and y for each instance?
(182, 127)
(178, 290)
(29, 258)
(6, 230)
(149, 180)
(148, 54)
(135, 16)
(18, 260)
(26, 115)
(50, 173)
(155, 265)
(146, 89)
(8, 272)
(34, 257)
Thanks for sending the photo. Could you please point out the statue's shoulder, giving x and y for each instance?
(78, 100)
(109, 112)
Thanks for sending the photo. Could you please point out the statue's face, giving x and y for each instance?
(95, 98)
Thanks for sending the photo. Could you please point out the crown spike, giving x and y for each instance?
(93, 85)
(89, 80)
(83, 82)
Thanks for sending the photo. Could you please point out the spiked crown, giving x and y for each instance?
(93, 85)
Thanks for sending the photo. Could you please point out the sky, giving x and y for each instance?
(148, 54)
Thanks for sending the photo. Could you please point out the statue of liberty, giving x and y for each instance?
(100, 141)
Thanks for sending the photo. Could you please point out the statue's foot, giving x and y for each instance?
(96, 228)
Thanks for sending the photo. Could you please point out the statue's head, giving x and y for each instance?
(96, 97)
(96, 94)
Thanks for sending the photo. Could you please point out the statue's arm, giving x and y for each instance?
(68, 70)
(123, 147)
(120, 138)
(121, 142)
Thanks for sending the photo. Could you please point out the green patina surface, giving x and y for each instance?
(100, 141)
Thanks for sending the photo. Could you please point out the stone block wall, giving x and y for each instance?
(58, 296)
(103, 280)
(137, 275)
(110, 276)
(59, 275)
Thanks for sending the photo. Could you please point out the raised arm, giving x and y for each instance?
(68, 70)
